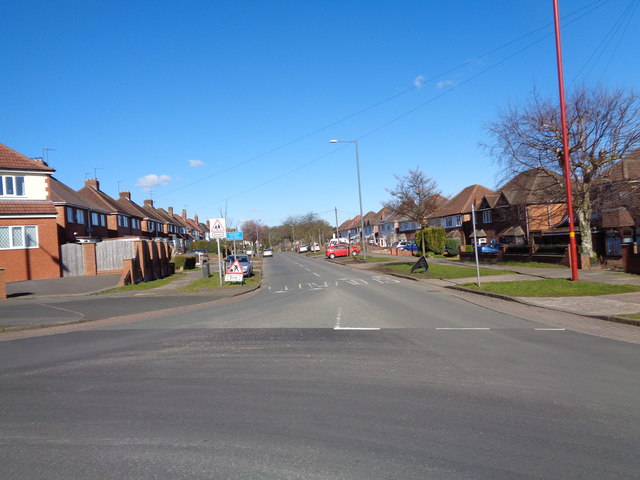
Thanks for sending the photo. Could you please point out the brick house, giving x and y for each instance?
(79, 220)
(28, 228)
(151, 225)
(455, 214)
(119, 222)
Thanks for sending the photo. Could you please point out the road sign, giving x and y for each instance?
(234, 235)
(234, 273)
(217, 227)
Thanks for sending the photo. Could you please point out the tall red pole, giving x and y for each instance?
(573, 250)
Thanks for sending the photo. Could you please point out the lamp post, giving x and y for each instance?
(364, 242)
(293, 238)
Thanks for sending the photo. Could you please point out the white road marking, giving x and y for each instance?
(383, 279)
(315, 274)
(551, 329)
(462, 328)
(357, 328)
(338, 317)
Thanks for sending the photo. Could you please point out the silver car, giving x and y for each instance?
(245, 263)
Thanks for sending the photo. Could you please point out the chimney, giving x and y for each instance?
(126, 195)
(92, 182)
(195, 218)
(184, 214)
(170, 209)
(148, 202)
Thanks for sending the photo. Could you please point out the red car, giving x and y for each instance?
(342, 250)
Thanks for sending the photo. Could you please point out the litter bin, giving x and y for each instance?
(205, 270)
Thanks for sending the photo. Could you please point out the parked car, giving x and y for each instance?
(303, 249)
(412, 247)
(267, 252)
(245, 263)
(203, 255)
(342, 250)
(249, 251)
(399, 244)
(492, 247)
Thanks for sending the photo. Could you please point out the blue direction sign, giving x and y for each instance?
(234, 235)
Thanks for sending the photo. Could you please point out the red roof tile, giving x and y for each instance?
(17, 207)
(12, 160)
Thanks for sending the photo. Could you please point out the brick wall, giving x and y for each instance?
(33, 263)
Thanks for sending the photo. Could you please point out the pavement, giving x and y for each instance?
(30, 303)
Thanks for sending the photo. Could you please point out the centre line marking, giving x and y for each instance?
(357, 328)
(551, 329)
(315, 274)
(462, 328)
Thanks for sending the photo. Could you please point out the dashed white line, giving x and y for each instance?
(462, 328)
(551, 329)
(357, 328)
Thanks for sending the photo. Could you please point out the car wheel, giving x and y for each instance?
(354, 253)
(332, 256)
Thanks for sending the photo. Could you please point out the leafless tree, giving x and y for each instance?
(415, 196)
(603, 127)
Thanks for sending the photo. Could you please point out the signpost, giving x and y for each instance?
(232, 237)
(218, 230)
(234, 273)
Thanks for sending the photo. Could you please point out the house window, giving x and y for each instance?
(103, 220)
(449, 222)
(10, 185)
(95, 218)
(79, 216)
(614, 245)
(458, 220)
(70, 217)
(123, 221)
(486, 216)
(23, 236)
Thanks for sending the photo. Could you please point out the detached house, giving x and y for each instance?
(455, 215)
(28, 228)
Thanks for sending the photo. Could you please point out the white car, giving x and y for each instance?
(267, 252)
(302, 249)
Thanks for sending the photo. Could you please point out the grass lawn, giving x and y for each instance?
(441, 271)
(213, 282)
(632, 315)
(374, 259)
(552, 287)
(145, 285)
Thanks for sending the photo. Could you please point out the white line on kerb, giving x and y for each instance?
(462, 328)
(338, 317)
(551, 329)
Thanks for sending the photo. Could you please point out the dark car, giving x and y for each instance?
(203, 255)
(245, 263)
(412, 247)
(342, 250)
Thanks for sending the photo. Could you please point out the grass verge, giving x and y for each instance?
(145, 285)
(518, 264)
(552, 287)
(440, 271)
(213, 283)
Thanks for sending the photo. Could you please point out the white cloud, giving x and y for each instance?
(196, 163)
(153, 180)
(445, 83)
(419, 81)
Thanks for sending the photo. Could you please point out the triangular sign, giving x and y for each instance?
(217, 226)
(235, 268)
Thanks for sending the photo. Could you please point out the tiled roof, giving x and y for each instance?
(17, 207)
(617, 217)
(101, 199)
(461, 203)
(535, 186)
(61, 194)
(129, 207)
(12, 160)
(626, 169)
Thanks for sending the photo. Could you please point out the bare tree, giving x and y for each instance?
(415, 196)
(603, 127)
(252, 230)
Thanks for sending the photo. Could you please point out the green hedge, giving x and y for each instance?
(452, 246)
(186, 262)
(211, 247)
(434, 239)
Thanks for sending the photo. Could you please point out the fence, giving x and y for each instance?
(72, 260)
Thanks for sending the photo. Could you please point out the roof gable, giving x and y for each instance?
(12, 160)
(461, 203)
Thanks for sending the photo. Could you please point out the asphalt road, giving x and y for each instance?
(327, 373)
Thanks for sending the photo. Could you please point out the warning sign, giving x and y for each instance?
(234, 273)
(217, 227)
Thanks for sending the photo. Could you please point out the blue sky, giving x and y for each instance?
(206, 105)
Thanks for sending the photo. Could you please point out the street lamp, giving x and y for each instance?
(364, 242)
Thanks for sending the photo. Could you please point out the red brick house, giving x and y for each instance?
(151, 224)
(28, 228)
(79, 220)
(119, 222)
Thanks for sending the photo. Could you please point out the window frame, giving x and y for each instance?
(25, 239)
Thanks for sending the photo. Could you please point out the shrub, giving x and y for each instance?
(184, 261)
(452, 246)
(211, 247)
(433, 238)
